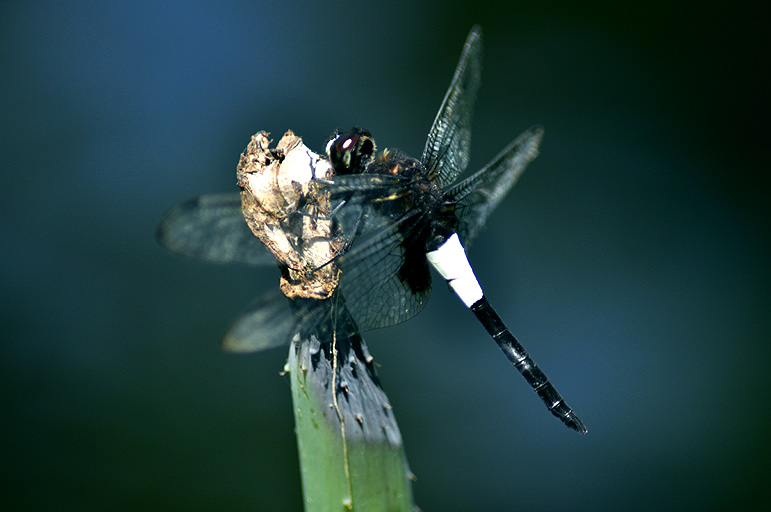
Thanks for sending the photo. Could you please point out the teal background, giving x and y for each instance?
(632, 258)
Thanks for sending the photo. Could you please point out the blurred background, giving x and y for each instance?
(631, 259)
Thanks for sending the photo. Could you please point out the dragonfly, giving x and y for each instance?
(396, 216)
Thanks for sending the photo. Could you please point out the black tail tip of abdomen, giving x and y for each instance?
(575, 423)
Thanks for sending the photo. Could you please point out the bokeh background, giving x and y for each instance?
(631, 259)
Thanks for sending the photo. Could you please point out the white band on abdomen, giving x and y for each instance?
(451, 262)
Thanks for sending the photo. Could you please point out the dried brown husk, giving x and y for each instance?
(285, 209)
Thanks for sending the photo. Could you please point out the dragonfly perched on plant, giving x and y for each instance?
(392, 215)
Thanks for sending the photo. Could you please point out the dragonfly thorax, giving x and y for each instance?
(353, 152)
(422, 194)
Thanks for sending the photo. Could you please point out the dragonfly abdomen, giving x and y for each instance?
(522, 361)
(451, 262)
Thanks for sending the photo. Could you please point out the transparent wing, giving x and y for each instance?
(385, 276)
(212, 228)
(479, 194)
(363, 186)
(273, 321)
(265, 323)
(447, 148)
(365, 203)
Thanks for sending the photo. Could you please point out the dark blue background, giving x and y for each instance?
(632, 258)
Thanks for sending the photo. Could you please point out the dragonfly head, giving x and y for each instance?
(350, 152)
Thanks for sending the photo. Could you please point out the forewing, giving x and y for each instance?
(479, 194)
(363, 186)
(212, 228)
(447, 148)
(359, 203)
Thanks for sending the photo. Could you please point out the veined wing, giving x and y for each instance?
(361, 203)
(362, 186)
(265, 323)
(479, 194)
(447, 148)
(212, 228)
(273, 320)
(385, 277)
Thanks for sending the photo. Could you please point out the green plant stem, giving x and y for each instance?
(351, 453)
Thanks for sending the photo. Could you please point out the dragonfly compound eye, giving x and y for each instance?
(350, 152)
